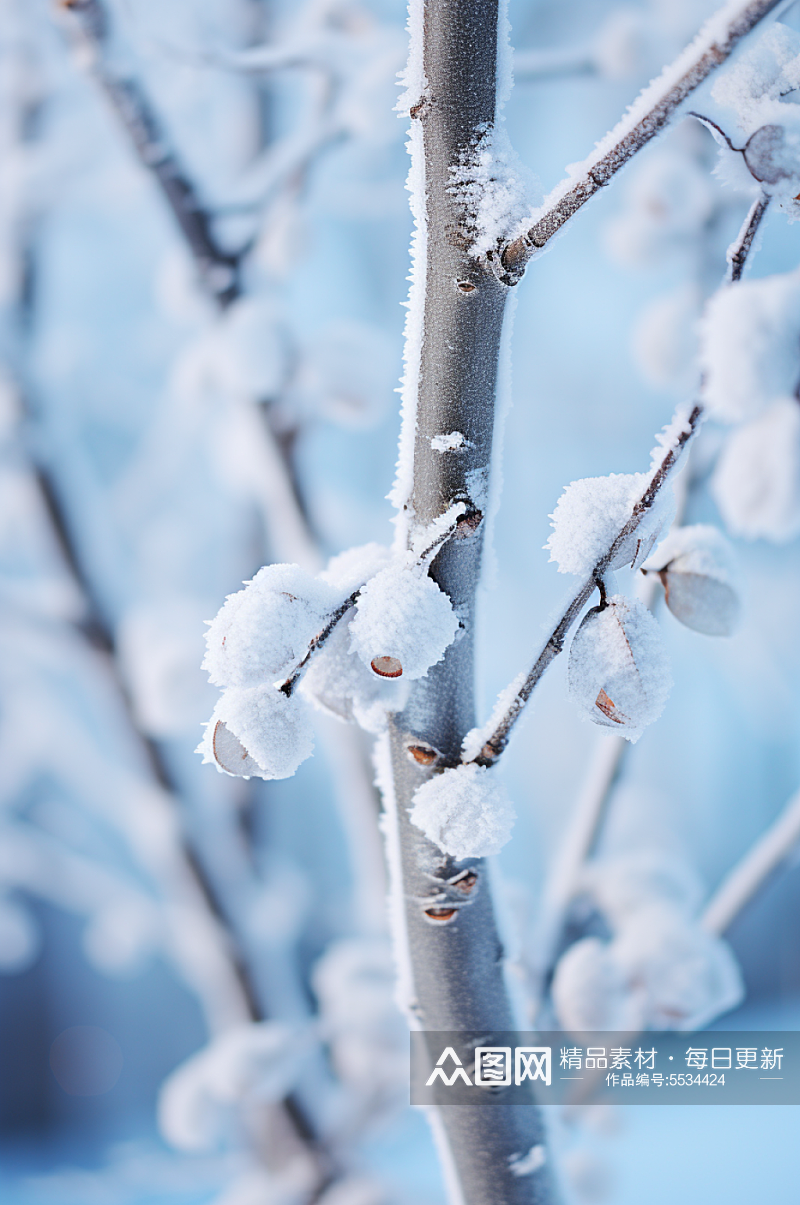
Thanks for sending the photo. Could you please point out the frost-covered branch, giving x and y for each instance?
(217, 268)
(484, 745)
(446, 937)
(650, 114)
(774, 847)
(742, 245)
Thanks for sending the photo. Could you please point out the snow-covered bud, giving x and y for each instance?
(618, 671)
(592, 512)
(685, 975)
(756, 80)
(668, 200)
(251, 1063)
(772, 154)
(258, 732)
(590, 991)
(697, 570)
(249, 352)
(750, 349)
(402, 617)
(338, 682)
(262, 631)
(756, 484)
(465, 811)
(354, 982)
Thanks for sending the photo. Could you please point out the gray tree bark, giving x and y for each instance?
(453, 946)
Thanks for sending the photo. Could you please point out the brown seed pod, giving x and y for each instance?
(386, 667)
(231, 754)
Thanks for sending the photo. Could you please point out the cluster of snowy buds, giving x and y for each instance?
(658, 968)
(364, 628)
(618, 672)
(760, 141)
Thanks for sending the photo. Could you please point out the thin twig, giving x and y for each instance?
(218, 269)
(741, 246)
(497, 739)
(496, 742)
(648, 116)
(318, 642)
(607, 761)
(749, 875)
(463, 523)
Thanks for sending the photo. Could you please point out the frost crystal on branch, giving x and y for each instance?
(697, 570)
(590, 514)
(403, 616)
(494, 188)
(618, 668)
(465, 811)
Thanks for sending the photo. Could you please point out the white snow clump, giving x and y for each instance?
(257, 731)
(697, 568)
(766, 71)
(750, 351)
(754, 87)
(337, 681)
(495, 190)
(402, 615)
(660, 969)
(756, 484)
(667, 202)
(251, 1063)
(465, 811)
(618, 671)
(592, 512)
(261, 632)
(354, 982)
(352, 568)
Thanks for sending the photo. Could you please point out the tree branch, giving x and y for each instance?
(648, 116)
(218, 269)
(444, 926)
(749, 875)
(485, 745)
(278, 490)
(742, 245)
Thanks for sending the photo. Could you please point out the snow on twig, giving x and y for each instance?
(484, 745)
(649, 115)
